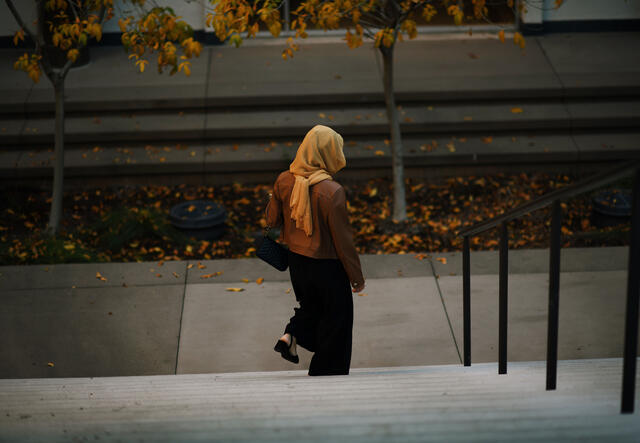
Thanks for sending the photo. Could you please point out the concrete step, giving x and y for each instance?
(362, 92)
(218, 162)
(240, 125)
(449, 403)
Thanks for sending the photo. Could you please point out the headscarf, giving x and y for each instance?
(319, 157)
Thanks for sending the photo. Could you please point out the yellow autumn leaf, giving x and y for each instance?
(501, 35)
(245, 280)
(213, 274)
(379, 153)
(69, 246)
(73, 54)
(516, 110)
(100, 277)
(260, 280)
(19, 35)
(362, 294)
(141, 64)
(50, 364)
(235, 289)
(442, 260)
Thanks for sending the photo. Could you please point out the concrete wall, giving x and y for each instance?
(539, 11)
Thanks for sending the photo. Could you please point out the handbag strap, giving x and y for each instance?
(267, 228)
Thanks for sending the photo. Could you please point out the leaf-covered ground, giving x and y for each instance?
(129, 224)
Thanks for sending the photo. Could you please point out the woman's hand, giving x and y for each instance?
(357, 288)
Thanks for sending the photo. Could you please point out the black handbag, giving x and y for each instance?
(273, 252)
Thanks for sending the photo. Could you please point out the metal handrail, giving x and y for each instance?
(633, 278)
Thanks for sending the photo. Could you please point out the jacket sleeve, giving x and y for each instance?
(342, 235)
(273, 211)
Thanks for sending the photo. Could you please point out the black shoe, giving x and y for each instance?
(283, 348)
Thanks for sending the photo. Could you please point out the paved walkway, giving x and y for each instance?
(327, 71)
(145, 319)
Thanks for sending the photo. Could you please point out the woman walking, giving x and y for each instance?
(323, 262)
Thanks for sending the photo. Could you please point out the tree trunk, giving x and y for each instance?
(399, 199)
(58, 169)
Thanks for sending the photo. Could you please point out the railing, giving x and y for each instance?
(633, 279)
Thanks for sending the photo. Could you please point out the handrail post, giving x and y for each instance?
(504, 277)
(633, 292)
(554, 289)
(466, 299)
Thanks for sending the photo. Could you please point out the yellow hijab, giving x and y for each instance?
(319, 157)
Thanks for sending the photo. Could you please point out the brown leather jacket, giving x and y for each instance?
(332, 236)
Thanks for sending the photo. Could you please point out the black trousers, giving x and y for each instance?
(324, 321)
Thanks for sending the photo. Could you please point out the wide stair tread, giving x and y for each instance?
(433, 403)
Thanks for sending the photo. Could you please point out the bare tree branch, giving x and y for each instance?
(375, 19)
(73, 7)
(65, 69)
(101, 14)
(41, 49)
(413, 8)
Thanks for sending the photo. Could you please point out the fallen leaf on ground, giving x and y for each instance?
(235, 289)
(245, 280)
(379, 153)
(213, 274)
(50, 364)
(362, 294)
(516, 110)
(260, 280)
(100, 277)
(442, 260)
